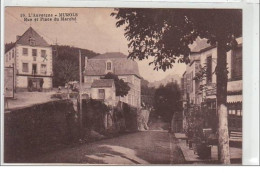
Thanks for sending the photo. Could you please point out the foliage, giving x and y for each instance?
(195, 122)
(122, 87)
(93, 112)
(166, 34)
(167, 100)
(147, 93)
(66, 63)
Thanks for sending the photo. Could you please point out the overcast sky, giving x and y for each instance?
(94, 30)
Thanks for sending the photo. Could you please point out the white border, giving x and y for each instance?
(250, 53)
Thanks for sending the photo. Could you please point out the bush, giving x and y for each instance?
(93, 112)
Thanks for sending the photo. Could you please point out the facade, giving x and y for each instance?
(198, 92)
(117, 63)
(31, 58)
(104, 89)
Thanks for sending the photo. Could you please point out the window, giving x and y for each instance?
(25, 51)
(34, 52)
(239, 112)
(25, 67)
(101, 94)
(34, 69)
(236, 67)
(209, 69)
(32, 41)
(13, 53)
(109, 66)
(43, 69)
(43, 53)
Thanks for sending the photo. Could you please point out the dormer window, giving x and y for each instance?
(109, 66)
(32, 41)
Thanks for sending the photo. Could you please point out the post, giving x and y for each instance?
(80, 92)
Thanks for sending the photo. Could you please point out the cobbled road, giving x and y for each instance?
(155, 146)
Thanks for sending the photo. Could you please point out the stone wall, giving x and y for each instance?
(38, 129)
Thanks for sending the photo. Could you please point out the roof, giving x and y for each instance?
(31, 33)
(120, 63)
(200, 45)
(102, 83)
(110, 55)
(24, 39)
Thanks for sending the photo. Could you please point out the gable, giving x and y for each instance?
(32, 34)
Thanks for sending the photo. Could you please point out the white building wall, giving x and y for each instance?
(10, 58)
(14, 57)
(134, 95)
(30, 60)
(110, 96)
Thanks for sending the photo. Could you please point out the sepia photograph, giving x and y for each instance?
(123, 86)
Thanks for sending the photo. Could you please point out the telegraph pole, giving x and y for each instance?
(80, 92)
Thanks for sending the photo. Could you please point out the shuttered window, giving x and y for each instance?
(236, 68)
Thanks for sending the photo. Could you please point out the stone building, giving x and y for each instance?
(31, 58)
(117, 63)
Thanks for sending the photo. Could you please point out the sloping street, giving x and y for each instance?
(155, 146)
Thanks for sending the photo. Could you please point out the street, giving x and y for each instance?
(155, 146)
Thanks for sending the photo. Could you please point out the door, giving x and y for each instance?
(34, 84)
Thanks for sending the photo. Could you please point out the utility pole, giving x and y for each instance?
(80, 94)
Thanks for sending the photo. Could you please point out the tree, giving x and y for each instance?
(66, 63)
(167, 100)
(165, 35)
(147, 93)
(122, 87)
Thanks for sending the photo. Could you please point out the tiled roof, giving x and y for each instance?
(102, 83)
(31, 33)
(120, 64)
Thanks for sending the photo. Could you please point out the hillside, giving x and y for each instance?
(167, 79)
(66, 63)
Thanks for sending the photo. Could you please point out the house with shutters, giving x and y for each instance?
(117, 63)
(31, 58)
(203, 92)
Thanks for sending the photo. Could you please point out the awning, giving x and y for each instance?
(234, 98)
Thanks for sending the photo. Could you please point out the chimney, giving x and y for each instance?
(18, 37)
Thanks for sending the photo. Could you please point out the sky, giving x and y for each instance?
(94, 29)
